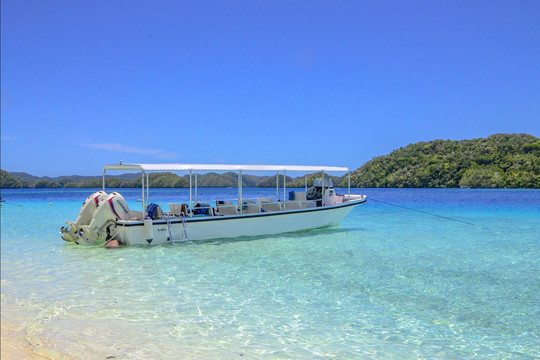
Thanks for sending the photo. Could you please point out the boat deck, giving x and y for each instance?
(235, 208)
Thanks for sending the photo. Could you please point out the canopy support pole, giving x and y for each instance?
(349, 173)
(240, 191)
(196, 185)
(277, 186)
(190, 199)
(284, 188)
(143, 206)
(323, 189)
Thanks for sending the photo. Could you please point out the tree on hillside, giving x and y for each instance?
(44, 184)
(501, 161)
(8, 181)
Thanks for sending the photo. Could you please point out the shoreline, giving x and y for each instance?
(14, 345)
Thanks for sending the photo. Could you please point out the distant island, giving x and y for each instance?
(498, 161)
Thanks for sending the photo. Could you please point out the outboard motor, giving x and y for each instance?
(85, 216)
(318, 189)
(113, 208)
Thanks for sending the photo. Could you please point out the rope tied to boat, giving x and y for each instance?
(113, 236)
(422, 212)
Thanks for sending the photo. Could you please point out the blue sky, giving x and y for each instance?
(89, 83)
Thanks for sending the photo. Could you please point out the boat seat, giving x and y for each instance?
(250, 207)
(178, 209)
(225, 208)
(269, 205)
(292, 205)
(154, 211)
(203, 209)
(136, 215)
(302, 201)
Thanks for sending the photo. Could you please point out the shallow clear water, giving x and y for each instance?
(388, 283)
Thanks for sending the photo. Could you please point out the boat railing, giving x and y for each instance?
(351, 197)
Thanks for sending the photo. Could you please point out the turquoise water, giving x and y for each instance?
(387, 284)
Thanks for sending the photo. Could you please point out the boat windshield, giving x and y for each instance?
(318, 182)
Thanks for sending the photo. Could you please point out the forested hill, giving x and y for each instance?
(499, 161)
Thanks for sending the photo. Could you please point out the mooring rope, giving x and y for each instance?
(7, 203)
(420, 211)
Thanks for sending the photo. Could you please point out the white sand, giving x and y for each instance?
(14, 345)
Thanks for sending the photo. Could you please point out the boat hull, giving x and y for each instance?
(204, 228)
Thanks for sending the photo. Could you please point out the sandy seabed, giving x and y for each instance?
(14, 345)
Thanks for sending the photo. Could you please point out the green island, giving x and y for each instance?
(498, 161)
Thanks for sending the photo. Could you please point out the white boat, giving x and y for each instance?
(107, 218)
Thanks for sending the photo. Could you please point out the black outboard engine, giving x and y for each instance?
(318, 189)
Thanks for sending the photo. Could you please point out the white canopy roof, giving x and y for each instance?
(221, 167)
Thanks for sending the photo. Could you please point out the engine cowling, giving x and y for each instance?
(100, 229)
(118, 206)
(85, 216)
